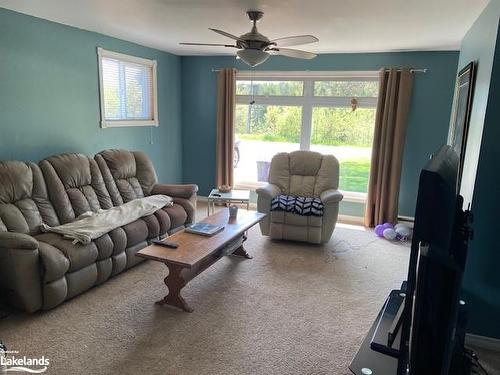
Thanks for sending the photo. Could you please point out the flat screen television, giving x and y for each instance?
(420, 329)
(437, 261)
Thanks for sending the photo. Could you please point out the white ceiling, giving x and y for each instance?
(340, 25)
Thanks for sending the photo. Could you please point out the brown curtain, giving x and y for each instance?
(226, 93)
(388, 144)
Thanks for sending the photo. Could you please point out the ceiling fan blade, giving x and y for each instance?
(298, 54)
(226, 34)
(295, 40)
(208, 44)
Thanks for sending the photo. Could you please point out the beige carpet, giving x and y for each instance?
(293, 309)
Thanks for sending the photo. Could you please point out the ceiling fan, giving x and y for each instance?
(255, 48)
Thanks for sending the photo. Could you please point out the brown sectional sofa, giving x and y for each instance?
(39, 271)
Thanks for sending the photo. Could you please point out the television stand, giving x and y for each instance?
(376, 356)
(387, 335)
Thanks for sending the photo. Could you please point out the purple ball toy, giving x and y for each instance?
(379, 230)
(388, 225)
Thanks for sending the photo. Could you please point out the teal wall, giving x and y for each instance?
(427, 128)
(482, 280)
(49, 100)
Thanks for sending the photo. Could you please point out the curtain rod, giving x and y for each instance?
(415, 70)
(412, 70)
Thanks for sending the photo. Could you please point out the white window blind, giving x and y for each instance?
(127, 90)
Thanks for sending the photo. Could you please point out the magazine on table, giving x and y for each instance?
(204, 229)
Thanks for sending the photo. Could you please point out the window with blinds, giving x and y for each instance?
(127, 89)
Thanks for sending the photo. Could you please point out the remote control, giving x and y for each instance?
(165, 243)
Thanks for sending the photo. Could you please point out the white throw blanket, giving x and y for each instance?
(92, 225)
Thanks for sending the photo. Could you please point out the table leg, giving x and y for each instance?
(241, 252)
(175, 282)
(208, 207)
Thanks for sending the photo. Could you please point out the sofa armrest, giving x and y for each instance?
(269, 191)
(186, 191)
(11, 240)
(331, 199)
(189, 206)
(184, 195)
(20, 271)
(265, 195)
(331, 196)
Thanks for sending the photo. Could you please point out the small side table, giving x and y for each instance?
(234, 196)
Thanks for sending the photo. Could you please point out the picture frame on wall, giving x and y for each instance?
(459, 129)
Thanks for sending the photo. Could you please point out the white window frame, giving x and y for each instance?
(307, 101)
(101, 53)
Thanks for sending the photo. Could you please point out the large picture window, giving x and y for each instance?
(287, 111)
(128, 91)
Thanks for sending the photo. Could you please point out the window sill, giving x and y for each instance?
(354, 197)
(128, 123)
(252, 186)
(349, 196)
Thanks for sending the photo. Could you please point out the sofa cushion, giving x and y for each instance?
(304, 173)
(305, 163)
(129, 188)
(177, 215)
(153, 226)
(163, 222)
(81, 280)
(119, 238)
(311, 234)
(281, 217)
(128, 175)
(302, 185)
(75, 185)
(105, 246)
(137, 232)
(78, 255)
(132, 260)
(279, 172)
(121, 163)
(24, 203)
(17, 181)
(328, 175)
(20, 217)
(104, 270)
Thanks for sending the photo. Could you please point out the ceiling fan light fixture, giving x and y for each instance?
(252, 57)
(255, 48)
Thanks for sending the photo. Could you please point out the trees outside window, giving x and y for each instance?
(278, 112)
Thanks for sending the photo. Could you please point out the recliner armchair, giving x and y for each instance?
(304, 174)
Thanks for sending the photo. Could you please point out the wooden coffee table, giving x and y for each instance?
(196, 253)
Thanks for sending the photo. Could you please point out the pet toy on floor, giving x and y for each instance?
(399, 232)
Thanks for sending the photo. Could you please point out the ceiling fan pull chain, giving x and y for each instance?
(252, 102)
